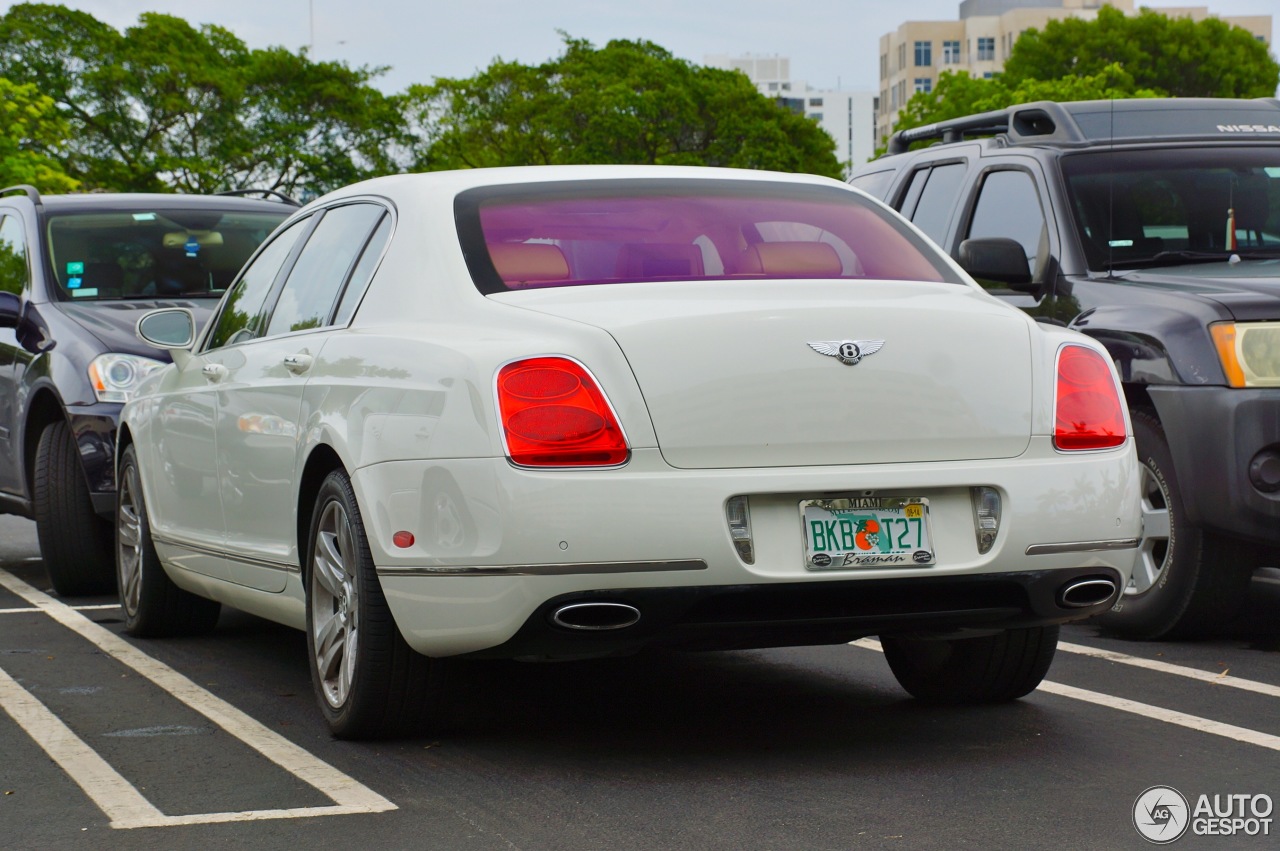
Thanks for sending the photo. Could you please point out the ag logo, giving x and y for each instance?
(1161, 815)
(847, 352)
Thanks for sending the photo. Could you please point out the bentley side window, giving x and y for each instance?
(323, 266)
(241, 315)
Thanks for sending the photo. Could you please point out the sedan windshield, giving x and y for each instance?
(1176, 206)
(633, 231)
(152, 253)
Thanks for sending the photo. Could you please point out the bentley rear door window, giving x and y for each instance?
(322, 267)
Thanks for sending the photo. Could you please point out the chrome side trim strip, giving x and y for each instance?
(546, 569)
(1083, 547)
(209, 551)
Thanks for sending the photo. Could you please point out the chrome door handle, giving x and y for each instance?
(297, 364)
(214, 371)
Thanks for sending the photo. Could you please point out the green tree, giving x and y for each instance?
(1175, 56)
(29, 129)
(168, 106)
(628, 102)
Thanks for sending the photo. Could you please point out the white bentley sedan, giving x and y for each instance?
(567, 412)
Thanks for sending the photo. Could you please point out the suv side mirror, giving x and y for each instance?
(996, 259)
(10, 310)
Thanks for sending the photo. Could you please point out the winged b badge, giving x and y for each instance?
(847, 352)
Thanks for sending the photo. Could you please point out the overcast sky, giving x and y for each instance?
(831, 43)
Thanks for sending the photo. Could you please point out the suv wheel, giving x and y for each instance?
(988, 669)
(75, 543)
(1185, 581)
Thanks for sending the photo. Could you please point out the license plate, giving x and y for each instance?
(866, 532)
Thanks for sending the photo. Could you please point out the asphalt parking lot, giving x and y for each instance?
(110, 742)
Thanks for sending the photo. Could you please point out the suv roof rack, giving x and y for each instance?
(26, 189)
(270, 193)
(1094, 121)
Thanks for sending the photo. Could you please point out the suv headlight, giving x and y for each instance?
(115, 377)
(1249, 351)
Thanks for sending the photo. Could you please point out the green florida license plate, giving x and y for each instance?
(866, 532)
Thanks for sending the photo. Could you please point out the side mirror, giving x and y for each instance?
(10, 309)
(169, 328)
(996, 259)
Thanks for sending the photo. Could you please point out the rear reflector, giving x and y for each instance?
(555, 415)
(1089, 414)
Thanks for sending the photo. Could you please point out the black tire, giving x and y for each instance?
(1186, 582)
(382, 687)
(75, 543)
(153, 606)
(988, 669)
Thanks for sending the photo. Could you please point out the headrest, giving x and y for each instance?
(792, 260)
(523, 262)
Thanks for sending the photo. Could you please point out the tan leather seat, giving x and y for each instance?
(522, 263)
(792, 260)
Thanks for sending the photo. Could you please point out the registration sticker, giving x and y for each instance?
(866, 532)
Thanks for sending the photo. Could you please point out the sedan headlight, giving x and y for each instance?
(1249, 351)
(115, 377)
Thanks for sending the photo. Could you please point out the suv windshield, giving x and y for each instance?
(1175, 206)
(152, 253)
(629, 231)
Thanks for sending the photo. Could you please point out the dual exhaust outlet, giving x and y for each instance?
(603, 616)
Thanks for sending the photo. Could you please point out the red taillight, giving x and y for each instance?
(1089, 412)
(554, 415)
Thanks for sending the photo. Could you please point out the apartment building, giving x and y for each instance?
(848, 115)
(912, 57)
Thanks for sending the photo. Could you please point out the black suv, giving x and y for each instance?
(76, 273)
(1153, 226)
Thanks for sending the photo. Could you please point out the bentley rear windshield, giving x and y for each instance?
(538, 235)
(1175, 206)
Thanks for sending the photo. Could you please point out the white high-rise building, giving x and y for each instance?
(848, 115)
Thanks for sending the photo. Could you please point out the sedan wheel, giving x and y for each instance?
(368, 681)
(986, 669)
(334, 606)
(153, 605)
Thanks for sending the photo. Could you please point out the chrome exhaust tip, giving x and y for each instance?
(596, 616)
(1082, 593)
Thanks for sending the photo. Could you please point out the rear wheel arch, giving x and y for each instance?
(322, 461)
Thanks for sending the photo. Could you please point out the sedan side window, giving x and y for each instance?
(1009, 206)
(323, 266)
(364, 272)
(241, 317)
(13, 255)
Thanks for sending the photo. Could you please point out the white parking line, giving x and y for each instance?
(114, 795)
(1177, 670)
(29, 609)
(1158, 713)
(348, 795)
